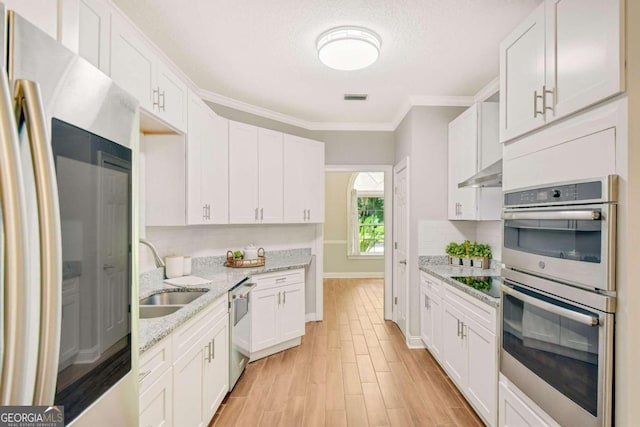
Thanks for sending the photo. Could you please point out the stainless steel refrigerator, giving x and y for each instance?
(68, 138)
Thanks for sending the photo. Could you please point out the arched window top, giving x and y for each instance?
(366, 214)
(368, 182)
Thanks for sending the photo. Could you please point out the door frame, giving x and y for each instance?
(403, 164)
(388, 225)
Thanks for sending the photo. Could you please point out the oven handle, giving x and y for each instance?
(570, 314)
(555, 215)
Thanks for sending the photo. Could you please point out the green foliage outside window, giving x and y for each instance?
(371, 224)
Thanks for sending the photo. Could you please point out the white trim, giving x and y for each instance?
(363, 256)
(441, 101)
(355, 275)
(310, 317)
(488, 91)
(414, 341)
(88, 355)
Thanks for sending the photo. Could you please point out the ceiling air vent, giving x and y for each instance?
(355, 96)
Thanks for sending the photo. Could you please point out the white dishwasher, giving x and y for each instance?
(240, 329)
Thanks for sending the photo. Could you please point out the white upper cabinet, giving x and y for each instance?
(207, 165)
(255, 171)
(566, 56)
(303, 180)
(94, 25)
(137, 69)
(473, 145)
(43, 14)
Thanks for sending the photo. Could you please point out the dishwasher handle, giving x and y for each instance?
(243, 291)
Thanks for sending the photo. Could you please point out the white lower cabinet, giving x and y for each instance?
(515, 411)
(185, 377)
(277, 312)
(460, 332)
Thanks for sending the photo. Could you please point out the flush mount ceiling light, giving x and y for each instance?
(348, 48)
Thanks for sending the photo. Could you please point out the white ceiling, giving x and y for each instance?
(261, 54)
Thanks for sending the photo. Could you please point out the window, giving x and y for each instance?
(366, 217)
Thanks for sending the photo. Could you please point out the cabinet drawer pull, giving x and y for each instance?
(213, 349)
(279, 298)
(535, 103)
(546, 92)
(458, 326)
(143, 375)
(281, 279)
(261, 214)
(462, 330)
(284, 297)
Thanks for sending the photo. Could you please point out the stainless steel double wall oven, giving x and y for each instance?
(558, 297)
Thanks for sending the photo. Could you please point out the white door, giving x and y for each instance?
(463, 163)
(264, 318)
(481, 372)
(522, 75)
(215, 179)
(314, 164)
(270, 176)
(113, 242)
(243, 173)
(188, 386)
(197, 157)
(294, 180)
(454, 350)
(171, 96)
(401, 243)
(291, 314)
(216, 369)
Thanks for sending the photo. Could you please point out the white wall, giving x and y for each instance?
(433, 236)
(336, 261)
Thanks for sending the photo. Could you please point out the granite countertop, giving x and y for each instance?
(438, 266)
(222, 279)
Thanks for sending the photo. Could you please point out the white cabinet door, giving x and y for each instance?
(481, 383)
(264, 318)
(132, 63)
(585, 62)
(522, 76)
(41, 13)
(426, 326)
(243, 173)
(463, 163)
(156, 403)
(291, 313)
(94, 24)
(270, 175)
(215, 179)
(435, 304)
(294, 180)
(170, 96)
(188, 386)
(196, 141)
(514, 412)
(314, 167)
(70, 340)
(216, 369)
(454, 350)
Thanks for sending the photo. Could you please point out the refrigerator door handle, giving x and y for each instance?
(15, 270)
(29, 107)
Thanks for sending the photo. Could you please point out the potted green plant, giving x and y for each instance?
(466, 261)
(452, 250)
(480, 254)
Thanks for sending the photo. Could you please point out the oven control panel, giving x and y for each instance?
(558, 194)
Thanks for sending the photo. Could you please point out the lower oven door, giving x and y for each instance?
(559, 353)
(573, 244)
(240, 342)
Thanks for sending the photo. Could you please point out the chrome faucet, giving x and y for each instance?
(156, 257)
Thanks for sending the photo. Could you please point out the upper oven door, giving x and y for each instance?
(559, 353)
(574, 244)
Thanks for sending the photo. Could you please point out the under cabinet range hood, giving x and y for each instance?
(491, 176)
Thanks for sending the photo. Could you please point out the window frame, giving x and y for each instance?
(353, 223)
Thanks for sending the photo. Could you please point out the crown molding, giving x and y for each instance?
(441, 101)
(486, 92)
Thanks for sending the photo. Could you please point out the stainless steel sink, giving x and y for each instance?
(153, 311)
(172, 298)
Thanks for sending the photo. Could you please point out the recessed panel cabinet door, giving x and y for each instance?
(171, 96)
(426, 326)
(454, 350)
(270, 175)
(264, 318)
(294, 180)
(463, 163)
(522, 76)
(436, 319)
(243, 173)
(314, 163)
(188, 386)
(291, 316)
(481, 377)
(156, 403)
(215, 178)
(94, 22)
(216, 370)
(585, 61)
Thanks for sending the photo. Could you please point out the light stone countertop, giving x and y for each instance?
(438, 266)
(151, 331)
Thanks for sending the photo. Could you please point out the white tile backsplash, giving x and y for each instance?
(200, 241)
(433, 236)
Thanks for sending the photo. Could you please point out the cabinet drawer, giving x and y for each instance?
(483, 314)
(432, 284)
(154, 362)
(280, 278)
(188, 334)
(156, 403)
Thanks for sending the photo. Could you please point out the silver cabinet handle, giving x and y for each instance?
(588, 215)
(308, 214)
(281, 279)
(284, 297)
(404, 261)
(425, 301)
(209, 212)
(143, 375)
(535, 103)
(213, 349)
(462, 329)
(261, 214)
(29, 108)
(204, 212)
(156, 97)
(458, 326)
(546, 92)
(106, 267)
(161, 106)
(278, 298)
(585, 319)
(14, 212)
(208, 350)
(428, 302)
(255, 214)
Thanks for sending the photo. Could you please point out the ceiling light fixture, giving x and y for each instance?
(348, 48)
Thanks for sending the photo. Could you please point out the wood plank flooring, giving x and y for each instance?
(352, 369)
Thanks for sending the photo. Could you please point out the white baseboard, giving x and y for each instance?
(414, 341)
(310, 317)
(356, 275)
(88, 355)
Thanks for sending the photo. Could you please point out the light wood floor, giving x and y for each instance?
(352, 369)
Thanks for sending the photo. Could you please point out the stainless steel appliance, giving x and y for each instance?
(67, 232)
(566, 232)
(240, 330)
(558, 297)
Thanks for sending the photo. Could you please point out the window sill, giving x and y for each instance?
(376, 256)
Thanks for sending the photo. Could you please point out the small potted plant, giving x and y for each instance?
(480, 253)
(466, 261)
(452, 250)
